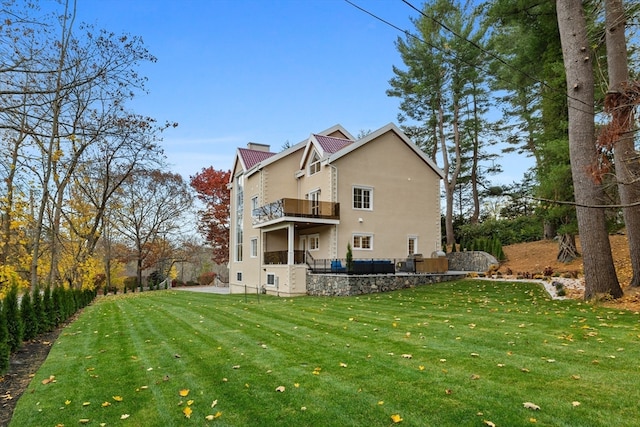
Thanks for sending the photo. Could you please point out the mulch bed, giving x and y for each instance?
(24, 363)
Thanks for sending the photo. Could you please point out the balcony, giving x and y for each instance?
(281, 257)
(309, 210)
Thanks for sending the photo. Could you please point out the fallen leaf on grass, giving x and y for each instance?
(407, 356)
(531, 406)
(343, 365)
(51, 379)
(190, 402)
(213, 417)
(533, 420)
(187, 412)
(280, 389)
(67, 402)
(421, 367)
(396, 418)
(84, 421)
(105, 404)
(124, 416)
(475, 377)
(184, 392)
(86, 403)
(214, 403)
(575, 403)
(117, 398)
(489, 423)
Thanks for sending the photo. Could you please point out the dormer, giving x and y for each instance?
(318, 149)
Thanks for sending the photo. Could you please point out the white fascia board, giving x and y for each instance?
(373, 135)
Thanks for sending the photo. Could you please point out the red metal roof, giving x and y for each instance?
(330, 144)
(250, 158)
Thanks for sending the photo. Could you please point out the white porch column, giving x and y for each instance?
(290, 242)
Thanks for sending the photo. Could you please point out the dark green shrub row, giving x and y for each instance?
(36, 313)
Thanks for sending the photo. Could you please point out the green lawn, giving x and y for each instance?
(466, 353)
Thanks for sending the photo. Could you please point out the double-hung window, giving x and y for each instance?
(363, 198)
(314, 242)
(254, 206)
(363, 241)
(254, 247)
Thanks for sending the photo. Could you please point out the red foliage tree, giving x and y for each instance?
(213, 222)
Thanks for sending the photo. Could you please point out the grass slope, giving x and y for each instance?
(467, 353)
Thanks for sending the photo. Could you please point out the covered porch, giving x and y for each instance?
(285, 227)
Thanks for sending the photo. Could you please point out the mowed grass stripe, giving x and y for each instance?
(341, 360)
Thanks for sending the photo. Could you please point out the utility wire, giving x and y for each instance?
(411, 35)
(491, 54)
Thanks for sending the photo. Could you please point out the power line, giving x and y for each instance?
(491, 54)
(411, 35)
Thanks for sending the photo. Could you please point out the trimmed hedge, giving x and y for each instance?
(36, 313)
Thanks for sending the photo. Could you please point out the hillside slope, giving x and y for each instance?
(534, 257)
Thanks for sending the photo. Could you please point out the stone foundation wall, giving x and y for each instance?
(478, 261)
(346, 285)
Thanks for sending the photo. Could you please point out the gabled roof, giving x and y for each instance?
(388, 128)
(330, 144)
(330, 148)
(250, 158)
(324, 145)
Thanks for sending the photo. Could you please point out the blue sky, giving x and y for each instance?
(268, 71)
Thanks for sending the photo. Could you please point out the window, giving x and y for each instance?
(254, 205)
(314, 198)
(314, 242)
(363, 241)
(239, 276)
(254, 247)
(271, 279)
(314, 164)
(412, 245)
(239, 217)
(363, 198)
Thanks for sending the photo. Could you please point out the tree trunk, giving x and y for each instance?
(550, 230)
(599, 272)
(621, 108)
(567, 250)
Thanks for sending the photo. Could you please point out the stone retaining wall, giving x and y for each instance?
(346, 285)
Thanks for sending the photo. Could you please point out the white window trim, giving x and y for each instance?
(253, 254)
(254, 204)
(310, 237)
(275, 281)
(415, 244)
(354, 235)
(366, 188)
(315, 164)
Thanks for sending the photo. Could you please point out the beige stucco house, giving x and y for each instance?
(380, 193)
